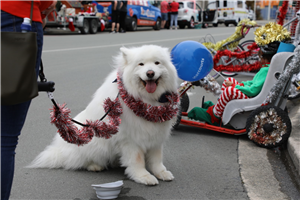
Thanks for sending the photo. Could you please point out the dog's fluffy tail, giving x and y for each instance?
(51, 157)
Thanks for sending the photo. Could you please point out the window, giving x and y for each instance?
(218, 4)
(190, 5)
(225, 4)
(240, 4)
(180, 5)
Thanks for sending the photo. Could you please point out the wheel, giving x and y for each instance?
(93, 26)
(192, 23)
(245, 46)
(133, 24)
(86, 27)
(268, 126)
(184, 106)
(215, 24)
(237, 62)
(157, 24)
(184, 103)
(226, 24)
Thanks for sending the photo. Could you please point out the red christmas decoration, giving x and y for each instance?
(239, 55)
(282, 12)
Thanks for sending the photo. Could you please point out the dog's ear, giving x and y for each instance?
(125, 53)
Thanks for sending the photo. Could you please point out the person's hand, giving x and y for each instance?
(46, 12)
(228, 83)
(50, 8)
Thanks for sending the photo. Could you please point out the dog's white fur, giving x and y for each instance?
(139, 143)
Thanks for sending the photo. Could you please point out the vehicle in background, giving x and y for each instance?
(230, 12)
(140, 13)
(74, 14)
(189, 14)
(210, 16)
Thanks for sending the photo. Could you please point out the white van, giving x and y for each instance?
(229, 12)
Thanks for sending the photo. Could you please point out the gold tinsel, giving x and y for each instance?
(237, 34)
(269, 33)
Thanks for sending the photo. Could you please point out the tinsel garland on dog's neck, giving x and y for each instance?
(146, 111)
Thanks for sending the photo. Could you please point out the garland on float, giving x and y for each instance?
(269, 33)
(239, 55)
(282, 12)
(237, 34)
(60, 117)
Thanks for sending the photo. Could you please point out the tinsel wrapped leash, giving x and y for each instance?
(60, 116)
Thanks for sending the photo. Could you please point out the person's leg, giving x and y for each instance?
(118, 27)
(123, 21)
(227, 95)
(175, 19)
(172, 20)
(117, 21)
(113, 26)
(13, 117)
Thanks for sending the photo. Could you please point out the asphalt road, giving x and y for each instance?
(206, 164)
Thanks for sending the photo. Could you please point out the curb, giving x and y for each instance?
(293, 144)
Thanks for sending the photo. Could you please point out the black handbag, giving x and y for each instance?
(18, 61)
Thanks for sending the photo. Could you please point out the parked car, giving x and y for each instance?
(139, 14)
(189, 13)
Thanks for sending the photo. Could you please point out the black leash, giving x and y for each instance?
(48, 86)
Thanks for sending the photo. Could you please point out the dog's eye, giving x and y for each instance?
(141, 64)
(157, 63)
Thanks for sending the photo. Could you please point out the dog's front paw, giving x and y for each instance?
(146, 179)
(165, 175)
(94, 167)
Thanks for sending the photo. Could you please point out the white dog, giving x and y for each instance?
(147, 73)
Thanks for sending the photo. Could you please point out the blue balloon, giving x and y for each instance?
(192, 60)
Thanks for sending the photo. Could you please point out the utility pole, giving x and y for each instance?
(269, 10)
(254, 10)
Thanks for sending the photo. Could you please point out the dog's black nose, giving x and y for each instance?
(150, 74)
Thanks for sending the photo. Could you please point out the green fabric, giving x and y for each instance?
(200, 114)
(253, 87)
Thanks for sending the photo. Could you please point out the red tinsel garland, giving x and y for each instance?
(236, 68)
(282, 12)
(146, 111)
(60, 117)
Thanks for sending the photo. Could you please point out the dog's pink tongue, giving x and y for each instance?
(150, 86)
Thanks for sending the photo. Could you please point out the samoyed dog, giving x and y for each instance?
(147, 74)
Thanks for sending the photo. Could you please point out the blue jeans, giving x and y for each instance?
(173, 20)
(13, 116)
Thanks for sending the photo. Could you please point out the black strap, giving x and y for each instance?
(31, 11)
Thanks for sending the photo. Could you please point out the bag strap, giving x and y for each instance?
(31, 11)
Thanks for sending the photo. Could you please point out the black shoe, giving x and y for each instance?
(122, 31)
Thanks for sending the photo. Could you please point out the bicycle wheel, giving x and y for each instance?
(246, 44)
(239, 48)
(254, 56)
